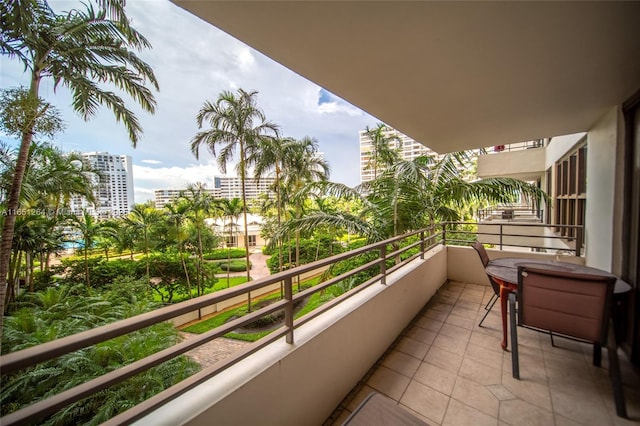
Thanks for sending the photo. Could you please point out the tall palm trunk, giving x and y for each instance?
(229, 252)
(243, 173)
(86, 266)
(200, 261)
(186, 273)
(279, 212)
(13, 201)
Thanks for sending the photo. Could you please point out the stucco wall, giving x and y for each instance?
(518, 164)
(559, 146)
(301, 384)
(602, 143)
(464, 265)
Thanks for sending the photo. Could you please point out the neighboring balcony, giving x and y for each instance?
(525, 162)
(415, 322)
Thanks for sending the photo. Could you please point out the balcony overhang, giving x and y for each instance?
(453, 75)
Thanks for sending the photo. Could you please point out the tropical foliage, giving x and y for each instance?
(59, 312)
(409, 195)
(84, 50)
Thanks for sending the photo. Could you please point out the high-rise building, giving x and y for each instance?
(231, 187)
(406, 147)
(166, 196)
(224, 187)
(113, 185)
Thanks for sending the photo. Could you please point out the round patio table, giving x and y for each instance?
(505, 272)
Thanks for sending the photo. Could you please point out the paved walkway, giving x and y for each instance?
(220, 348)
(208, 354)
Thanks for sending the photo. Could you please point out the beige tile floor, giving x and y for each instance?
(448, 371)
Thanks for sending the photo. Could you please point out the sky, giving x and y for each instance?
(194, 62)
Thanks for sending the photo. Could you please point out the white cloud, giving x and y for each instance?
(193, 62)
(148, 179)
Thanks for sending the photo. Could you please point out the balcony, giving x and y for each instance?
(415, 321)
(524, 161)
(446, 370)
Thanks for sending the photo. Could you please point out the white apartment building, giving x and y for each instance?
(224, 187)
(231, 187)
(162, 197)
(113, 186)
(407, 148)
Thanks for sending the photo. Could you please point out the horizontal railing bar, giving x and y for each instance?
(335, 301)
(46, 351)
(54, 403)
(191, 382)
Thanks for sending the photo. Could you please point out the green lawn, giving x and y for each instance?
(314, 301)
(220, 285)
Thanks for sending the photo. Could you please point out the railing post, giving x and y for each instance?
(421, 244)
(383, 264)
(500, 236)
(579, 232)
(288, 310)
(444, 233)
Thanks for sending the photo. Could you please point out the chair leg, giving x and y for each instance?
(597, 355)
(614, 373)
(491, 302)
(515, 364)
(488, 310)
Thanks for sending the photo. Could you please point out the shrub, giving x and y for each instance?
(220, 254)
(69, 309)
(310, 250)
(234, 266)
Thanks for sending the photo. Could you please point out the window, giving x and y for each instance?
(571, 191)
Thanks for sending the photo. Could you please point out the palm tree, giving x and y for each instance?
(199, 203)
(90, 230)
(410, 195)
(230, 209)
(142, 218)
(177, 215)
(271, 160)
(75, 49)
(382, 155)
(303, 165)
(237, 124)
(50, 179)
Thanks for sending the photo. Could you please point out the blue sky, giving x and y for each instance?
(194, 62)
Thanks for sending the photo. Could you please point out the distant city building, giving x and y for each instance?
(224, 187)
(113, 185)
(231, 187)
(406, 147)
(166, 196)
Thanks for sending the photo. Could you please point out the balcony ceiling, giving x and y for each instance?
(453, 75)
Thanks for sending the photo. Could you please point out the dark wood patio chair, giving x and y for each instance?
(484, 258)
(577, 306)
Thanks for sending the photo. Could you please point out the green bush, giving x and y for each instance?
(234, 266)
(101, 272)
(310, 251)
(220, 254)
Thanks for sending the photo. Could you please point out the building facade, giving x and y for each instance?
(224, 187)
(113, 185)
(162, 197)
(231, 187)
